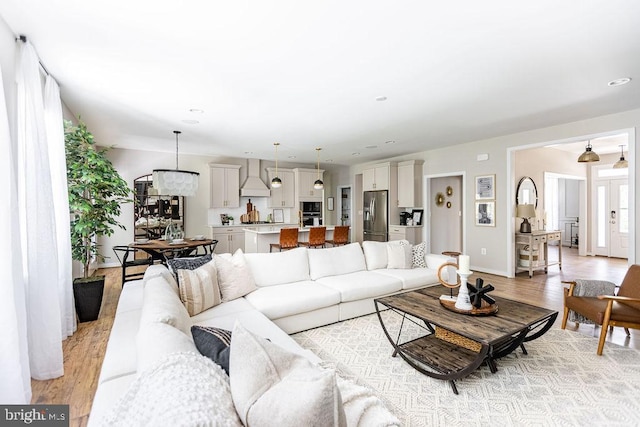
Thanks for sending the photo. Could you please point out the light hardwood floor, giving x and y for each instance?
(84, 351)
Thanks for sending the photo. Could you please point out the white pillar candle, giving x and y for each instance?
(463, 263)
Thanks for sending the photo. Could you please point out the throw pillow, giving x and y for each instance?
(271, 386)
(199, 289)
(234, 277)
(191, 263)
(182, 389)
(399, 255)
(213, 343)
(419, 252)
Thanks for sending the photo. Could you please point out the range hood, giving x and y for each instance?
(253, 186)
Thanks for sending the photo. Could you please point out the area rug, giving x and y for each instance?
(560, 382)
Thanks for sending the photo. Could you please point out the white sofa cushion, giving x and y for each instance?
(120, 355)
(162, 304)
(156, 270)
(375, 254)
(362, 284)
(271, 386)
(277, 268)
(292, 298)
(399, 255)
(412, 277)
(156, 340)
(199, 289)
(335, 261)
(234, 276)
(231, 307)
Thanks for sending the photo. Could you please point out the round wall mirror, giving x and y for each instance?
(527, 193)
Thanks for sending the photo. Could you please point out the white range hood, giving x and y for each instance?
(253, 186)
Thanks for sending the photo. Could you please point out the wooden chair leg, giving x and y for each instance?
(605, 327)
(565, 316)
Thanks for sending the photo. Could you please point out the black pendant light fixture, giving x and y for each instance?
(276, 182)
(622, 163)
(318, 185)
(589, 155)
(175, 182)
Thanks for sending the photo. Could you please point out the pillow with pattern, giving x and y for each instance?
(213, 343)
(418, 253)
(191, 263)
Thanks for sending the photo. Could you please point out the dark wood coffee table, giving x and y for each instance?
(455, 344)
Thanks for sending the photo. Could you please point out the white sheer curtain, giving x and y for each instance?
(57, 161)
(37, 221)
(15, 387)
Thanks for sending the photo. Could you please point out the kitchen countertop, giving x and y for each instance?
(272, 230)
(405, 226)
(264, 224)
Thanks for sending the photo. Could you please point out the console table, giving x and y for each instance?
(538, 239)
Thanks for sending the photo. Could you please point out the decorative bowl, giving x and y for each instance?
(176, 241)
(198, 237)
(142, 240)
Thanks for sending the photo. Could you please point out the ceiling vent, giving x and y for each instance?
(253, 186)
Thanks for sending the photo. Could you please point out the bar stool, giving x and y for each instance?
(316, 237)
(288, 240)
(340, 235)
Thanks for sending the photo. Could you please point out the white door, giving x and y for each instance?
(612, 218)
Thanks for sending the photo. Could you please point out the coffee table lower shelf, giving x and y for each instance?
(440, 359)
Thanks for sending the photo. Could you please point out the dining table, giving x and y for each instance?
(163, 249)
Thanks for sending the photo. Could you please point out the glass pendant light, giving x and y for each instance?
(318, 185)
(622, 163)
(589, 155)
(276, 182)
(175, 182)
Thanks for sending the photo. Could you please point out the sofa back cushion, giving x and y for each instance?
(335, 261)
(234, 277)
(278, 268)
(161, 303)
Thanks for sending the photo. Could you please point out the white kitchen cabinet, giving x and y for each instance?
(402, 232)
(224, 185)
(304, 184)
(283, 197)
(410, 183)
(376, 178)
(229, 239)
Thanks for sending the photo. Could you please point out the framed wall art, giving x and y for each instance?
(486, 214)
(485, 187)
(416, 215)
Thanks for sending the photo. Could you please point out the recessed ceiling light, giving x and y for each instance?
(355, 154)
(390, 142)
(381, 98)
(371, 146)
(248, 152)
(619, 82)
(196, 110)
(291, 157)
(191, 122)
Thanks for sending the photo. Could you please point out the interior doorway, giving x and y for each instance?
(611, 222)
(445, 213)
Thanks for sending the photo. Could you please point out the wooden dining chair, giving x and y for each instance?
(622, 309)
(288, 240)
(317, 237)
(340, 235)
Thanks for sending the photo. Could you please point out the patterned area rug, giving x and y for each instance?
(560, 382)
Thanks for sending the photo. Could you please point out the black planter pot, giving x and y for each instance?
(88, 296)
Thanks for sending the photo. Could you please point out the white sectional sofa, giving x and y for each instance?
(294, 290)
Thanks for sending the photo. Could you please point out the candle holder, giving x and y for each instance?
(463, 301)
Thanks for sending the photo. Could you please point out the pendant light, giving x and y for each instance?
(622, 163)
(318, 185)
(276, 182)
(175, 182)
(589, 155)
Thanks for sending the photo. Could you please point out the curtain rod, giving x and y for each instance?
(23, 39)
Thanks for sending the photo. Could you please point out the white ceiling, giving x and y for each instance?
(307, 74)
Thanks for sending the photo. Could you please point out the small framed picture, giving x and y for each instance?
(278, 215)
(416, 215)
(330, 201)
(485, 187)
(485, 214)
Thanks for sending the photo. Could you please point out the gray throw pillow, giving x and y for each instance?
(213, 343)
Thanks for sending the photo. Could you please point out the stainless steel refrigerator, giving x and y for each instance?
(376, 216)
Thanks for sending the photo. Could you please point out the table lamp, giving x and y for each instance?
(525, 212)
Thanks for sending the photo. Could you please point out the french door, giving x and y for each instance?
(612, 217)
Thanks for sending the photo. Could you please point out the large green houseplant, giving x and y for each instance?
(96, 192)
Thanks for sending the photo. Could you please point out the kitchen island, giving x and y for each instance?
(258, 238)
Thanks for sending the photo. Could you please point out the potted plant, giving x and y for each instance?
(96, 192)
